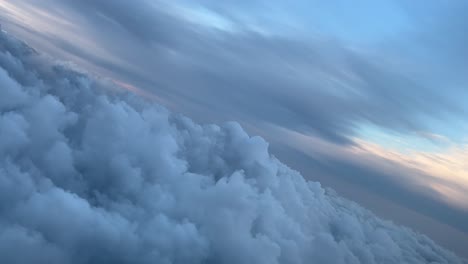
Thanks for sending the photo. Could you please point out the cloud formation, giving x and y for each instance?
(308, 82)
(88, 175)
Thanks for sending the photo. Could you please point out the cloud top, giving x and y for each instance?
(88, 175)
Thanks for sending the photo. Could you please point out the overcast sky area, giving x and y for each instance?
(367, 97)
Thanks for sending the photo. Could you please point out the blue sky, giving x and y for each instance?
(370, 95)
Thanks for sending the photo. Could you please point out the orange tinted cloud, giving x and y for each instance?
(446, 172)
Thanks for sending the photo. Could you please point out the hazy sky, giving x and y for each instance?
(368, 97)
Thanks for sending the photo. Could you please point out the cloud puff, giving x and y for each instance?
(91, 176)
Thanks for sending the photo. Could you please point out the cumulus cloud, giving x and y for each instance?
(91, 176)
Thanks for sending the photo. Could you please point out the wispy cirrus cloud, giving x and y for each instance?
(445, 172)
(431, 183)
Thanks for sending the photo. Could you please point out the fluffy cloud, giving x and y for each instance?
(88, 175)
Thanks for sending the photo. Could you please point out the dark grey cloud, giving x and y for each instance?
(314, 86)
(88, 175)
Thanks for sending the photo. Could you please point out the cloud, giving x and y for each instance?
(91, 175)
(443, 172)
(311, 83)
(428, 183)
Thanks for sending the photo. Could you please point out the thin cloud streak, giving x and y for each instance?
(399, 177)
(445, 172)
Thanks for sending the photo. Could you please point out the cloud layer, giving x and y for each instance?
(311, 83)
(88, 175)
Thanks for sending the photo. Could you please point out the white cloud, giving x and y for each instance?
(88, 176)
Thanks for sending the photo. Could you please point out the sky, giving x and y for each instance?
(369, 98)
